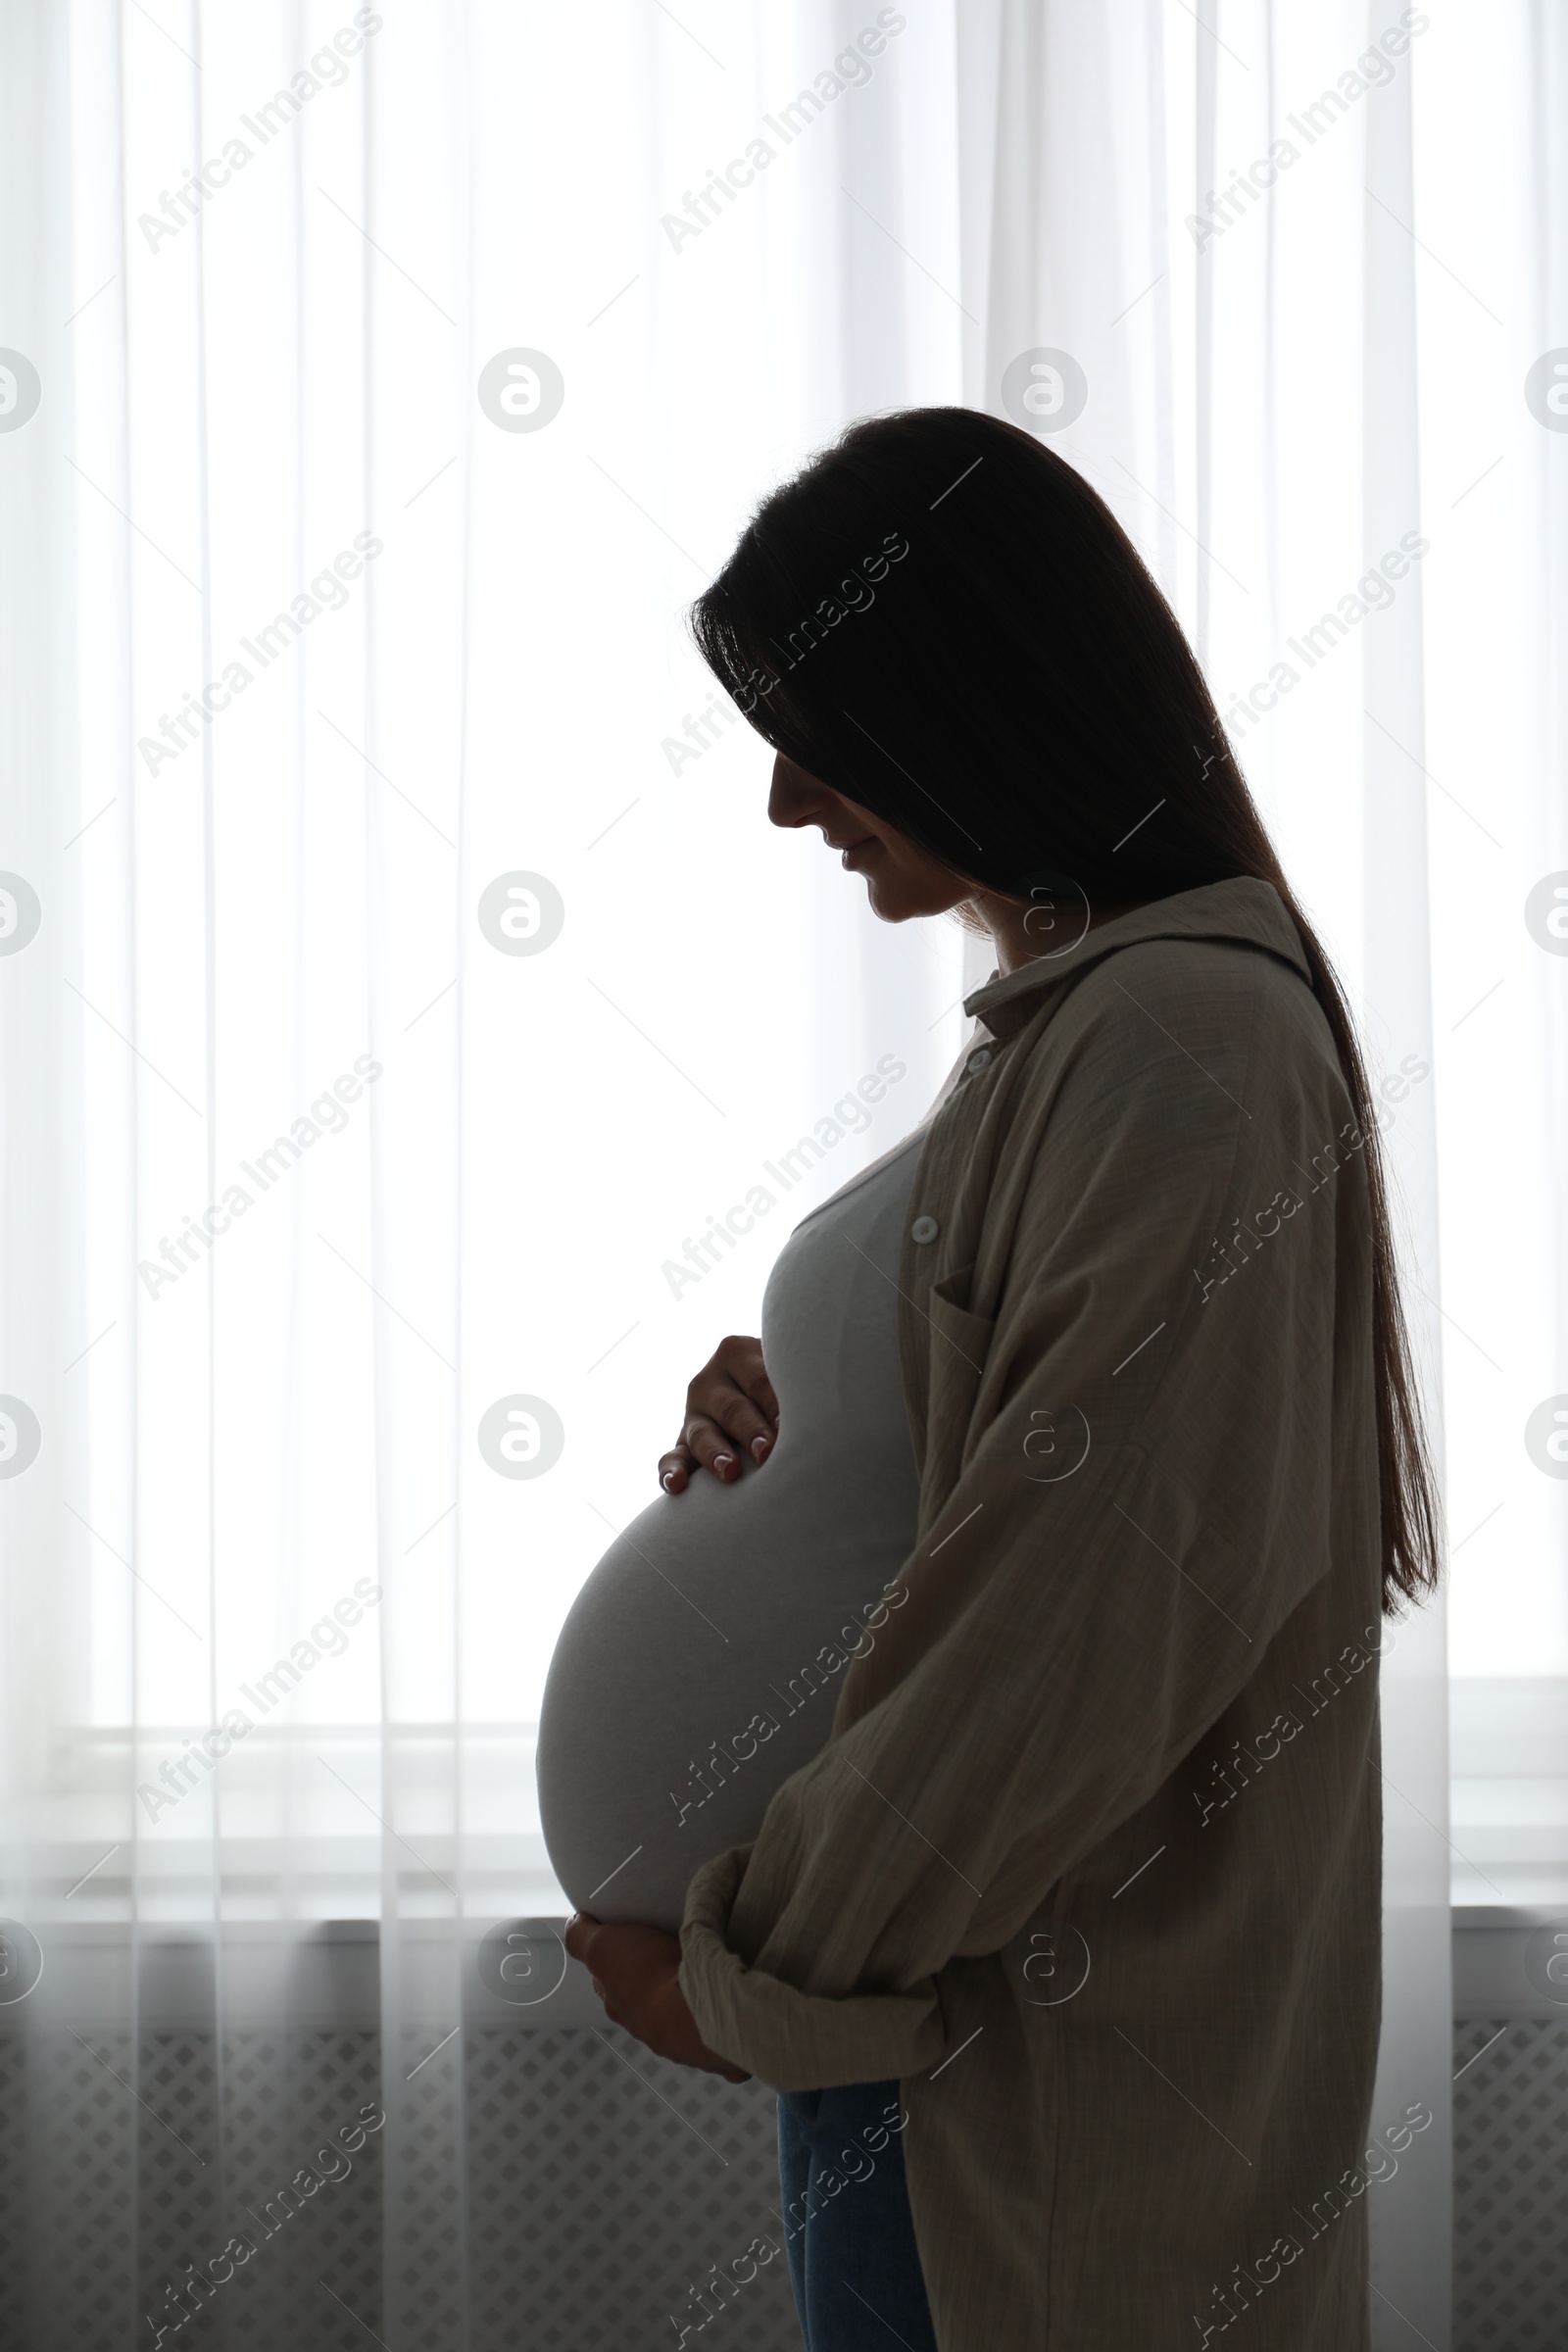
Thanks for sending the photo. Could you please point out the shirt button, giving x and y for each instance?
(924, 1229)
(978, 1058)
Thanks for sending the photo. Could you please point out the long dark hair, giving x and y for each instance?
(941, 619)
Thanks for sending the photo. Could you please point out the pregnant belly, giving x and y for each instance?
(699, 1667)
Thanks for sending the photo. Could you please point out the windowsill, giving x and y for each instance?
(326, 1976)
(320, 1974)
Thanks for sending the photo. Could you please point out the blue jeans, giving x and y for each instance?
(853, 2262)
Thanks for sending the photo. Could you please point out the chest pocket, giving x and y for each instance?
(960, 1345)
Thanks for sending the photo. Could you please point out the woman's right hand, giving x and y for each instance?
(730, 1404)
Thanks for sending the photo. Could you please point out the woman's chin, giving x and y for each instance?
(887, 892)
(894, 901)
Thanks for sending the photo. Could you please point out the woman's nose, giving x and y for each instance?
(795, 797)
(789, 800)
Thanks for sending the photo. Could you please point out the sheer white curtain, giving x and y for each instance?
(334, 680)
(416, 977)
(1494, 436)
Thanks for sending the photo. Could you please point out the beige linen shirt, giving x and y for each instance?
(1091, 1861)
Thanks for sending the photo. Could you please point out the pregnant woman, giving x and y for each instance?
(977, 1740)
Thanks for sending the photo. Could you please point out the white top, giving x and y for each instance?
(692, 1674)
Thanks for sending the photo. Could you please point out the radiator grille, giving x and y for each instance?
(602, 2184)
(602, 2188)
(1510, 2185)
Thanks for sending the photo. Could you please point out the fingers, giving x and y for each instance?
(581, 1929)
(741, 1360)
(596, 1946)
(614, 1946)
(715, 1452)
(730, 1405)
(635, 1973)
(738, 1423)
(731, 1413)
(675, 1468)
(584, 1935)
(714, 1447)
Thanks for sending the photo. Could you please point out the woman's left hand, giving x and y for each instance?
(634, 1974)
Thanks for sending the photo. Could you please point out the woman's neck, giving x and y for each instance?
(1023, 932)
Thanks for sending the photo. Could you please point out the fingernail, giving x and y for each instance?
(667, 1482)
(760, 1447)
(723, 1461)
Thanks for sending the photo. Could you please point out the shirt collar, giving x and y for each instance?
(1243, 910)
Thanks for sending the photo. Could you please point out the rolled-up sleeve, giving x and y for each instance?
(796, 2040)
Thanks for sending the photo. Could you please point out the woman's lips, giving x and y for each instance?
(852, 857)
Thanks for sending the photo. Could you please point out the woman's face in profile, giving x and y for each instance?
(901, 880)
